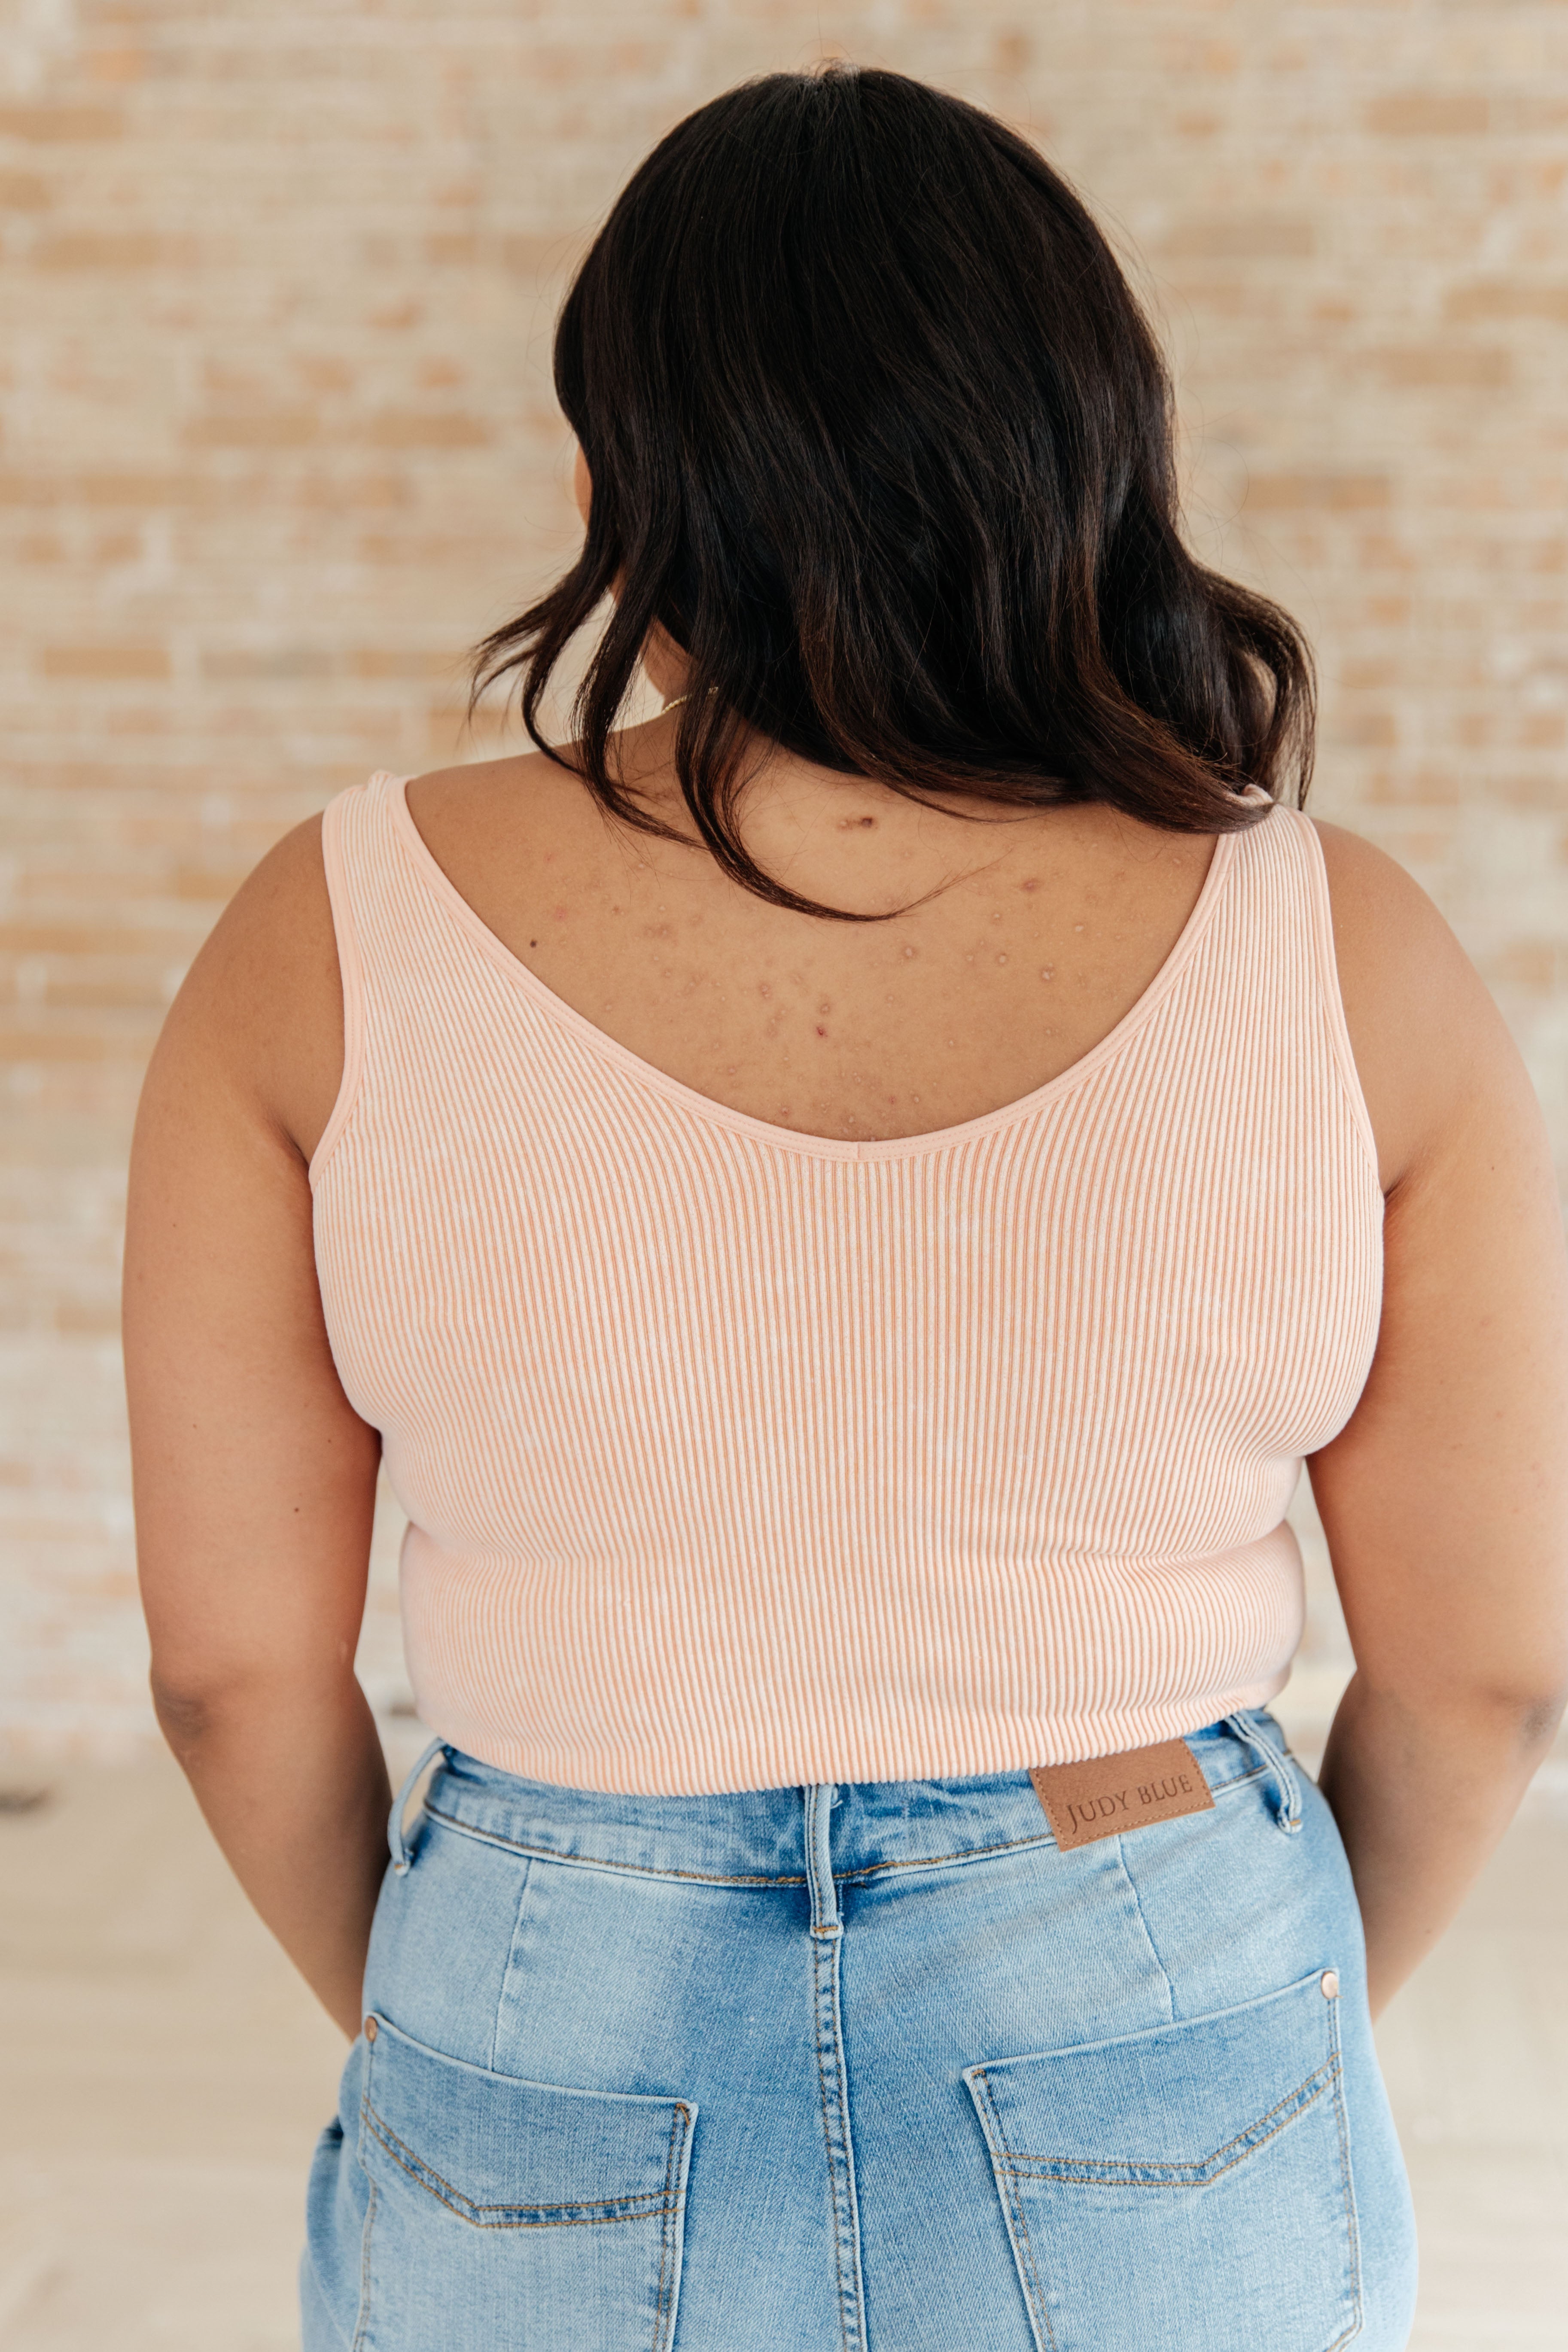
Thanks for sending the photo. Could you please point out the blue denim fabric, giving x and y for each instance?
(866, 2069)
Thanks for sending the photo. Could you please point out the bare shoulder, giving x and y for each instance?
(471, 811)
(473, 794)
(1430, 1046)
(260, 1015)
(471, 786)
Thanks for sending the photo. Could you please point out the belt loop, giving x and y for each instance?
(402, 1860)
(825, 1920)
(1288, 1812)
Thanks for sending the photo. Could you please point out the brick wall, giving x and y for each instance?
(277, 443)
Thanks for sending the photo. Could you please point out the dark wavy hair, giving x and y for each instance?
(880, 435)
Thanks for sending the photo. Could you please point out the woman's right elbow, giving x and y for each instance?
(191, 1706)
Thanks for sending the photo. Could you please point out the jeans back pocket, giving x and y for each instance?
(1185, 2189)
(515, 2215)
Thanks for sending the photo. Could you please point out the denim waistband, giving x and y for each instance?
(760, 1837)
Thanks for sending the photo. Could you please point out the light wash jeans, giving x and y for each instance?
(874, 2068)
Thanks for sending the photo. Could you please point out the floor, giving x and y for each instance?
(164, 2073)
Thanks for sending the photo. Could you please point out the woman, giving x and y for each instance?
(844, 1300)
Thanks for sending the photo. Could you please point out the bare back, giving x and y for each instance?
(1045, 930)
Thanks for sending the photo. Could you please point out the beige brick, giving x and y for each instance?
(225, 664)
(1429, 114)
(1367, 729)
(29, 491)
(1243, 236)
(80, 1318)
(375, 661)
(58, 124)
(113, 250)
(38, 1045)
(77, 939)
(115, 65)
(449, 429)
(108, 662)
(1446, 365)
(1333, 493)
(23, 192)
(254, 428)
(1536, 964)
(1506, 297)
(212, 886)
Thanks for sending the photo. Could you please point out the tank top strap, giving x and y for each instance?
(371, 901)
(1283, 936)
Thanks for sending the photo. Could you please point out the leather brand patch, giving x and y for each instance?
(1112, 1793)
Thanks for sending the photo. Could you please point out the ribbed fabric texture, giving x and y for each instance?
(736, 1458)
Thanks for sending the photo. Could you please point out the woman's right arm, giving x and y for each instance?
(255, 1479)
(1445, 1498)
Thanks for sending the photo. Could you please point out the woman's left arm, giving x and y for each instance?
(255, 1479)
(1444, 1496)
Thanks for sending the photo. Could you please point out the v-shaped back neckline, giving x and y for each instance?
(434, 878)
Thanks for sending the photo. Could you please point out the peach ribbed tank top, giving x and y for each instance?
(737, 1458)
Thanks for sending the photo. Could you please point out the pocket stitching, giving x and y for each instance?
(1075, 2169)
(362, 2320)
(1353, 2223)
(671, 2209)
(639, 2206)
(1018, 2224)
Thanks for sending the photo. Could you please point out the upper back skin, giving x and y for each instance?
(1050, 929)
